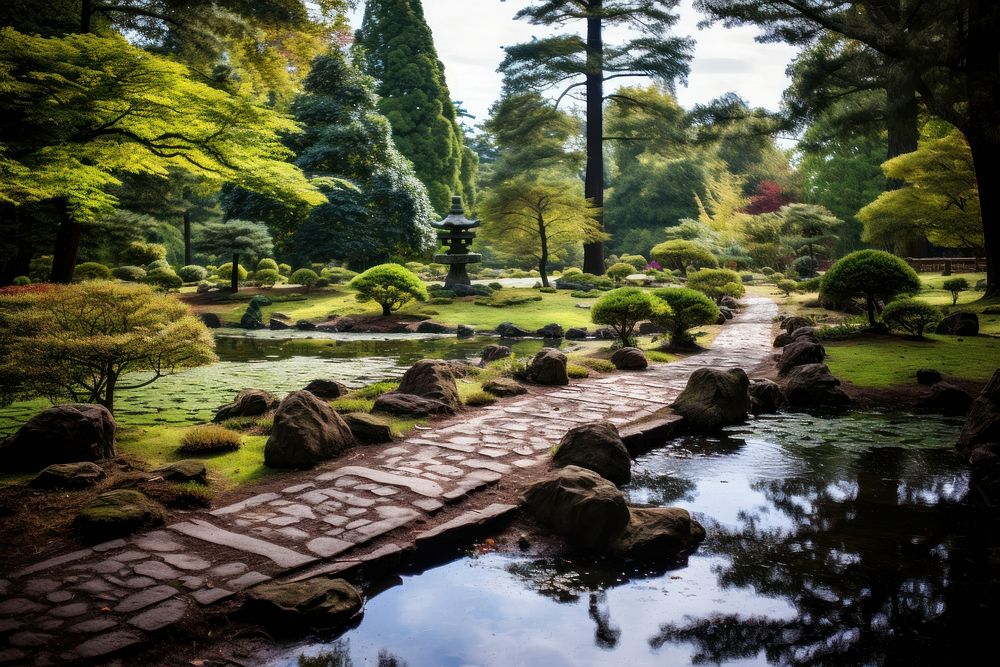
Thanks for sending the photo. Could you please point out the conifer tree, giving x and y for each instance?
(400, 54)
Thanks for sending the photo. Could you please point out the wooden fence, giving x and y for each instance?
(947, 265)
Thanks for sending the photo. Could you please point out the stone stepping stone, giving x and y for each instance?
(422, 487)
(326, 547)
(105, 644)
(247, 580)
(187, 561)
(397, 518)
(157, 541)
(207, 596)
(160, 616)
(281, 556)
(94, 625)
(145, 598)
(53, 562)
(253, 501)
(156, 570)
(465, 521)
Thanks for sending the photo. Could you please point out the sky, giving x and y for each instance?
(469, 36)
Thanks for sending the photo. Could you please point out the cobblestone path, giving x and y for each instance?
(96, 601)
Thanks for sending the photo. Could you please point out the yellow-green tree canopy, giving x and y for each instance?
(940, 202)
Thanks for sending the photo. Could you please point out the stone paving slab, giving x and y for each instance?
(94, 602)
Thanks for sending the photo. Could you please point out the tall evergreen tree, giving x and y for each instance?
(400, 54)
(574, 61)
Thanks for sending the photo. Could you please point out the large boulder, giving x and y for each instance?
(493, 353)
(983, 424)
(432, 327)
(306, 431)
(117, 513)
(579, 504)
(959, 324)
(596, 447)
(812, 385)
(248, 403)
(782, 339)
(790, 324)
(551, 331)
(946, 399)
(509, 330)
(61, 434)
(409, 405)
(291, 608)
(327, 389)
(465, 331)
(502, 386)
(766, 396)
(69, 476)
(729, 302)
(576, 333)
(305, 325)
(274, 324)
(658, 532)
(714, 398)
(807, 333)
(433, 379)
(629, 359)
(800, 353)
(548, 367)
(368, 428)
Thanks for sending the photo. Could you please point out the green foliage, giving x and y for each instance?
(811, 285)
(680, 254)
(87, 341)
(389, 285)
(338, 274)
(507, 302)
(593, 363)
(267, 263)
(805, 266)
(209, 439)
(222, 240)
(637, 262)
(141, 253)
(375, 389)
(479, 398)
(225, 271)
(158, 264)
(809, 230)
(911, 315)
(623, 308)
(787, 286)
(91, 271)
(873, 275)
(955, 286)
(618, 272)
(165, 279)
(577, 371)
(576, 294)
(688, 309)
(717, 283)
(767, 270)
(284, 269)
(129, 273)
(21, 281)
(304, 277)
(192, 273)
(267, 277)
(40, 268)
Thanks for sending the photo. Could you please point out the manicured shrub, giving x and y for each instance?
(571, 273)
(130, 273)
(322, 282)
(717, 283)
(91, 271)
(872, 275)
(40, 268)
(21, 281)
(158, 264)
(547, 290)
(637, 262)
(267, 277)
(577, 372)
(955, 286)
(680, 254)
(787, 286)
(141, 253)
(811, 285)
(577, 294)
(267, 263)
(284, 269)
(337, 274)
(226, 272)
(389, 285)
(478, 398)
(805, 266)
(623, 308)
(192, 273)
(594, 364)
(210, 439)
(305, 277)
(767, 270)
(163, 278)
(688, 309)
(496, 287)
(618, 272)
(911, 315)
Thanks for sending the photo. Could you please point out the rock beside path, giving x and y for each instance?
(306, 431)
(503, 387)
(61, 434)
(588, 510)
(69, 476)
(790, 324)
(185, 470)
(658, 532)
(117, 513)
(493, 353)
(597, 447)
(248, 403)
(800, 352)
(714, 398)
(629, 359)
(766, 396)
(368, 428)
(432, 379)
(327, 389)
(548, 367)
(812, 385)
(396, 403)
(296, 607)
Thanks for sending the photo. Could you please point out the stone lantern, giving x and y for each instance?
(456, 233)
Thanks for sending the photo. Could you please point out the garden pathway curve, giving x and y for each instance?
(96, 601)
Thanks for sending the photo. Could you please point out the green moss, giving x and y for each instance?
(593, 363)
(375, 390)
(577, 372)
(346, 404)
(479, 398)
(660, 357)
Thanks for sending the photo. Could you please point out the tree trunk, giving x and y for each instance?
(543, 258)
(234, 279)
(593, 253)
(187, 238)
(902, 127)
(109, 392)
(870, 308)
(67, 245)
(386, 311)
(986, 158)
(86, 11)
(20, 263)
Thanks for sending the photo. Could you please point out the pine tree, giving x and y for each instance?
(400, 54)
(543, 64)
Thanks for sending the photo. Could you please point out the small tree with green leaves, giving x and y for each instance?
(688, 309)
(390, 286)
(787, 286)
(872, 275)
(955, 286)
(623, 308)
(679, 254)
(620, 271)
(305, 277)
(236, 239)
(717, 283)
(911, 315)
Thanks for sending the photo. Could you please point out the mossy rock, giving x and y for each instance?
(117, 513)
(368, 428)
(292, 608)
(186, 470)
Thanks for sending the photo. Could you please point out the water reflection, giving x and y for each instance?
(831, 541)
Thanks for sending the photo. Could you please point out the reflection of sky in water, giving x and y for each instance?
(830, 541)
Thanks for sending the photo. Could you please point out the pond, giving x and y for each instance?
(843, 540)
(280, 362)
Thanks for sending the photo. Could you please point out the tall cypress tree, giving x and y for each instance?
(400, 54)
(574, 61)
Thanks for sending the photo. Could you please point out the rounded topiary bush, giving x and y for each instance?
(618, 272)
(688, 309)
(872, 275)
(717, 283)
(911, 315)
(163, 278)
(337, 274)
(158, 264)
(210, 439)
(680, 254)
(91, 271)
(130, 273)
(226, 272)
(284, 269)
(192, 273)
(267, 263)
(142, 253)
(805, 267)
(767, 270)
(637, 262)
(389, 285)
(21, 281)
(267, 277)
(305, 277)
(787, 286)
(622, 309)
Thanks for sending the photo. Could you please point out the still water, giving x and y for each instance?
(840, 540)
